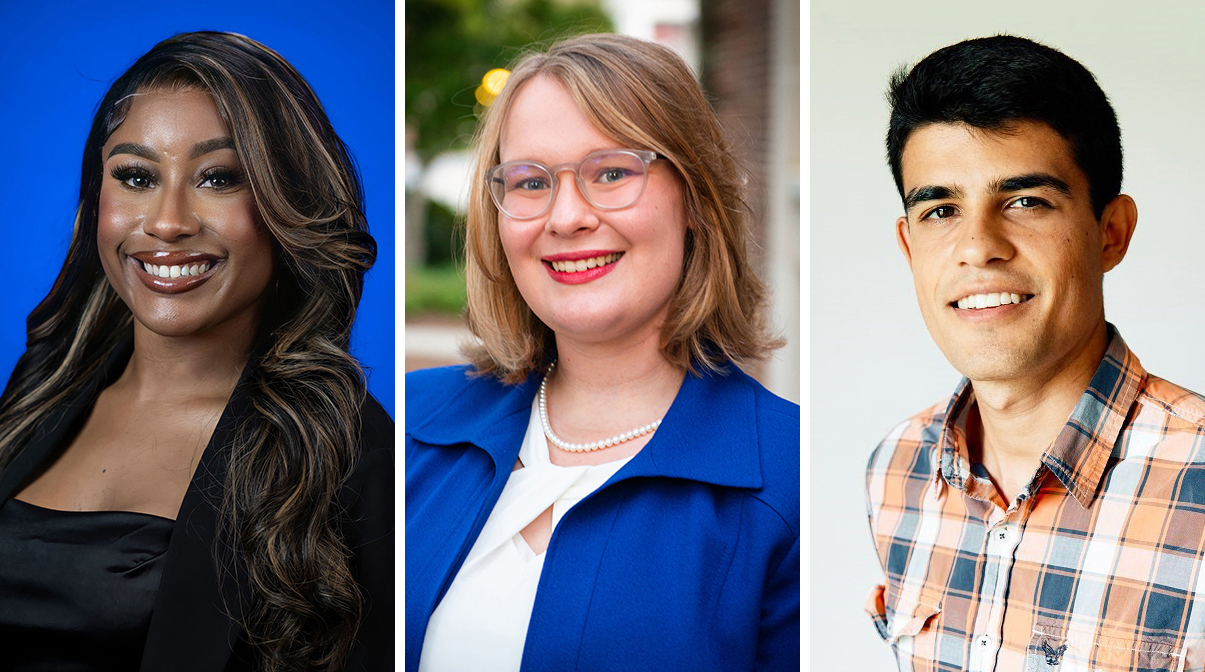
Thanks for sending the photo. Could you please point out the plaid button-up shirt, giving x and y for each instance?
(1096, 566)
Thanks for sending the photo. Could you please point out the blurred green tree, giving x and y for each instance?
(451, 44)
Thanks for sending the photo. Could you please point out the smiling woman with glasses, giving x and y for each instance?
(604, 488)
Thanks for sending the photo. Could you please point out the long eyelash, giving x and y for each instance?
(234, 178)
(124, 172)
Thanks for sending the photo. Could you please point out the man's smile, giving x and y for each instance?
(990, 300)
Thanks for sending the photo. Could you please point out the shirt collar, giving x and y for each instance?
(708, 435)
(1080, 452)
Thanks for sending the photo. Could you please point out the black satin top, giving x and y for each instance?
(77, 587)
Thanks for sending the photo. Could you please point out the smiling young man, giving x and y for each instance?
(1051, 514)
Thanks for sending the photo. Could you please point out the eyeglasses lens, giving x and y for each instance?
(521, 189)
(611, 180)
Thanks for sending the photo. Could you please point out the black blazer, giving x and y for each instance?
(194, 626)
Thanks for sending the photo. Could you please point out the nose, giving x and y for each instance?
(570, 212)
(172, 216)
(983, 239)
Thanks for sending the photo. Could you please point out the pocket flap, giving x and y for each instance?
(903, 624)
(912, 625)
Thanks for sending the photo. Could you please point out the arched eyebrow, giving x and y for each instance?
(200, 149)
(136, 149)
(206, 146)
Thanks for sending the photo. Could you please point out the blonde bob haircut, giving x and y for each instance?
(643, 96)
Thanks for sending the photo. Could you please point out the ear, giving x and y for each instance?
(901, 236)
(1117, 226)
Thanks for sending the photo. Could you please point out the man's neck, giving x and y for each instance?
(1015, 421)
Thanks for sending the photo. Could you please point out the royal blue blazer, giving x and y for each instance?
(686, 559)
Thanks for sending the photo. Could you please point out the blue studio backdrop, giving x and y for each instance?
(58, 59)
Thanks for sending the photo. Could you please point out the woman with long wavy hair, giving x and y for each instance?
(194, 476)
(604, 488)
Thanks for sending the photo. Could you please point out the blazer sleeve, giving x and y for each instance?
(778, 641)
(369, 496)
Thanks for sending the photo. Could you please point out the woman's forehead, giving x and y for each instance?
(166, 118)
(544, 123)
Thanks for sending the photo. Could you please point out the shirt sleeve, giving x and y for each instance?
(875, 606)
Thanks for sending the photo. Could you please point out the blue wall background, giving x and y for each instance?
(57, 60)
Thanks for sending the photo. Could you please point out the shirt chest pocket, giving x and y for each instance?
(1055, 648)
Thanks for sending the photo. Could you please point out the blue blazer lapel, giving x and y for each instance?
(488, 416)
(708, 435)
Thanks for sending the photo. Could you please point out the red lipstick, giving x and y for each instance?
(605, 259)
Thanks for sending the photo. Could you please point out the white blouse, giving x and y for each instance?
(481, 623)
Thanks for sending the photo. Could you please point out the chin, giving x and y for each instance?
(993, 355)
(172, 328)
(598, 327)
(183, 322)
(993, 364)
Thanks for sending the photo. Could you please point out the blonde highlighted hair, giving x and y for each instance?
(292, 453)
(643, 96)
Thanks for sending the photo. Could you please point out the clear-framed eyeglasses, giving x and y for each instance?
(609, 179)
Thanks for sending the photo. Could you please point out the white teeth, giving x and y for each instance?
(185, 270)
(990, 300)
(584, 264)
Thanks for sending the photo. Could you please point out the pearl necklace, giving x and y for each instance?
(584, 447)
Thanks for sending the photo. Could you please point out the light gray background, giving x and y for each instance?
(872, 361)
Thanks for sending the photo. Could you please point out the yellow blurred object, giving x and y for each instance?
(491, 85)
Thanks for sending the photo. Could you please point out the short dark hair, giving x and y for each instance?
(993, 82)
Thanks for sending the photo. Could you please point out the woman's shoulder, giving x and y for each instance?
(376, 426)
(422, 382)
(779, 445)
(777, 418)
(429, 391)
(374, 460)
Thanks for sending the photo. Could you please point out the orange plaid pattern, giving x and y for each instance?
(1097, 566)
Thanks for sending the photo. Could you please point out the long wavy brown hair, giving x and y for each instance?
(291, 455)
(643, 96)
